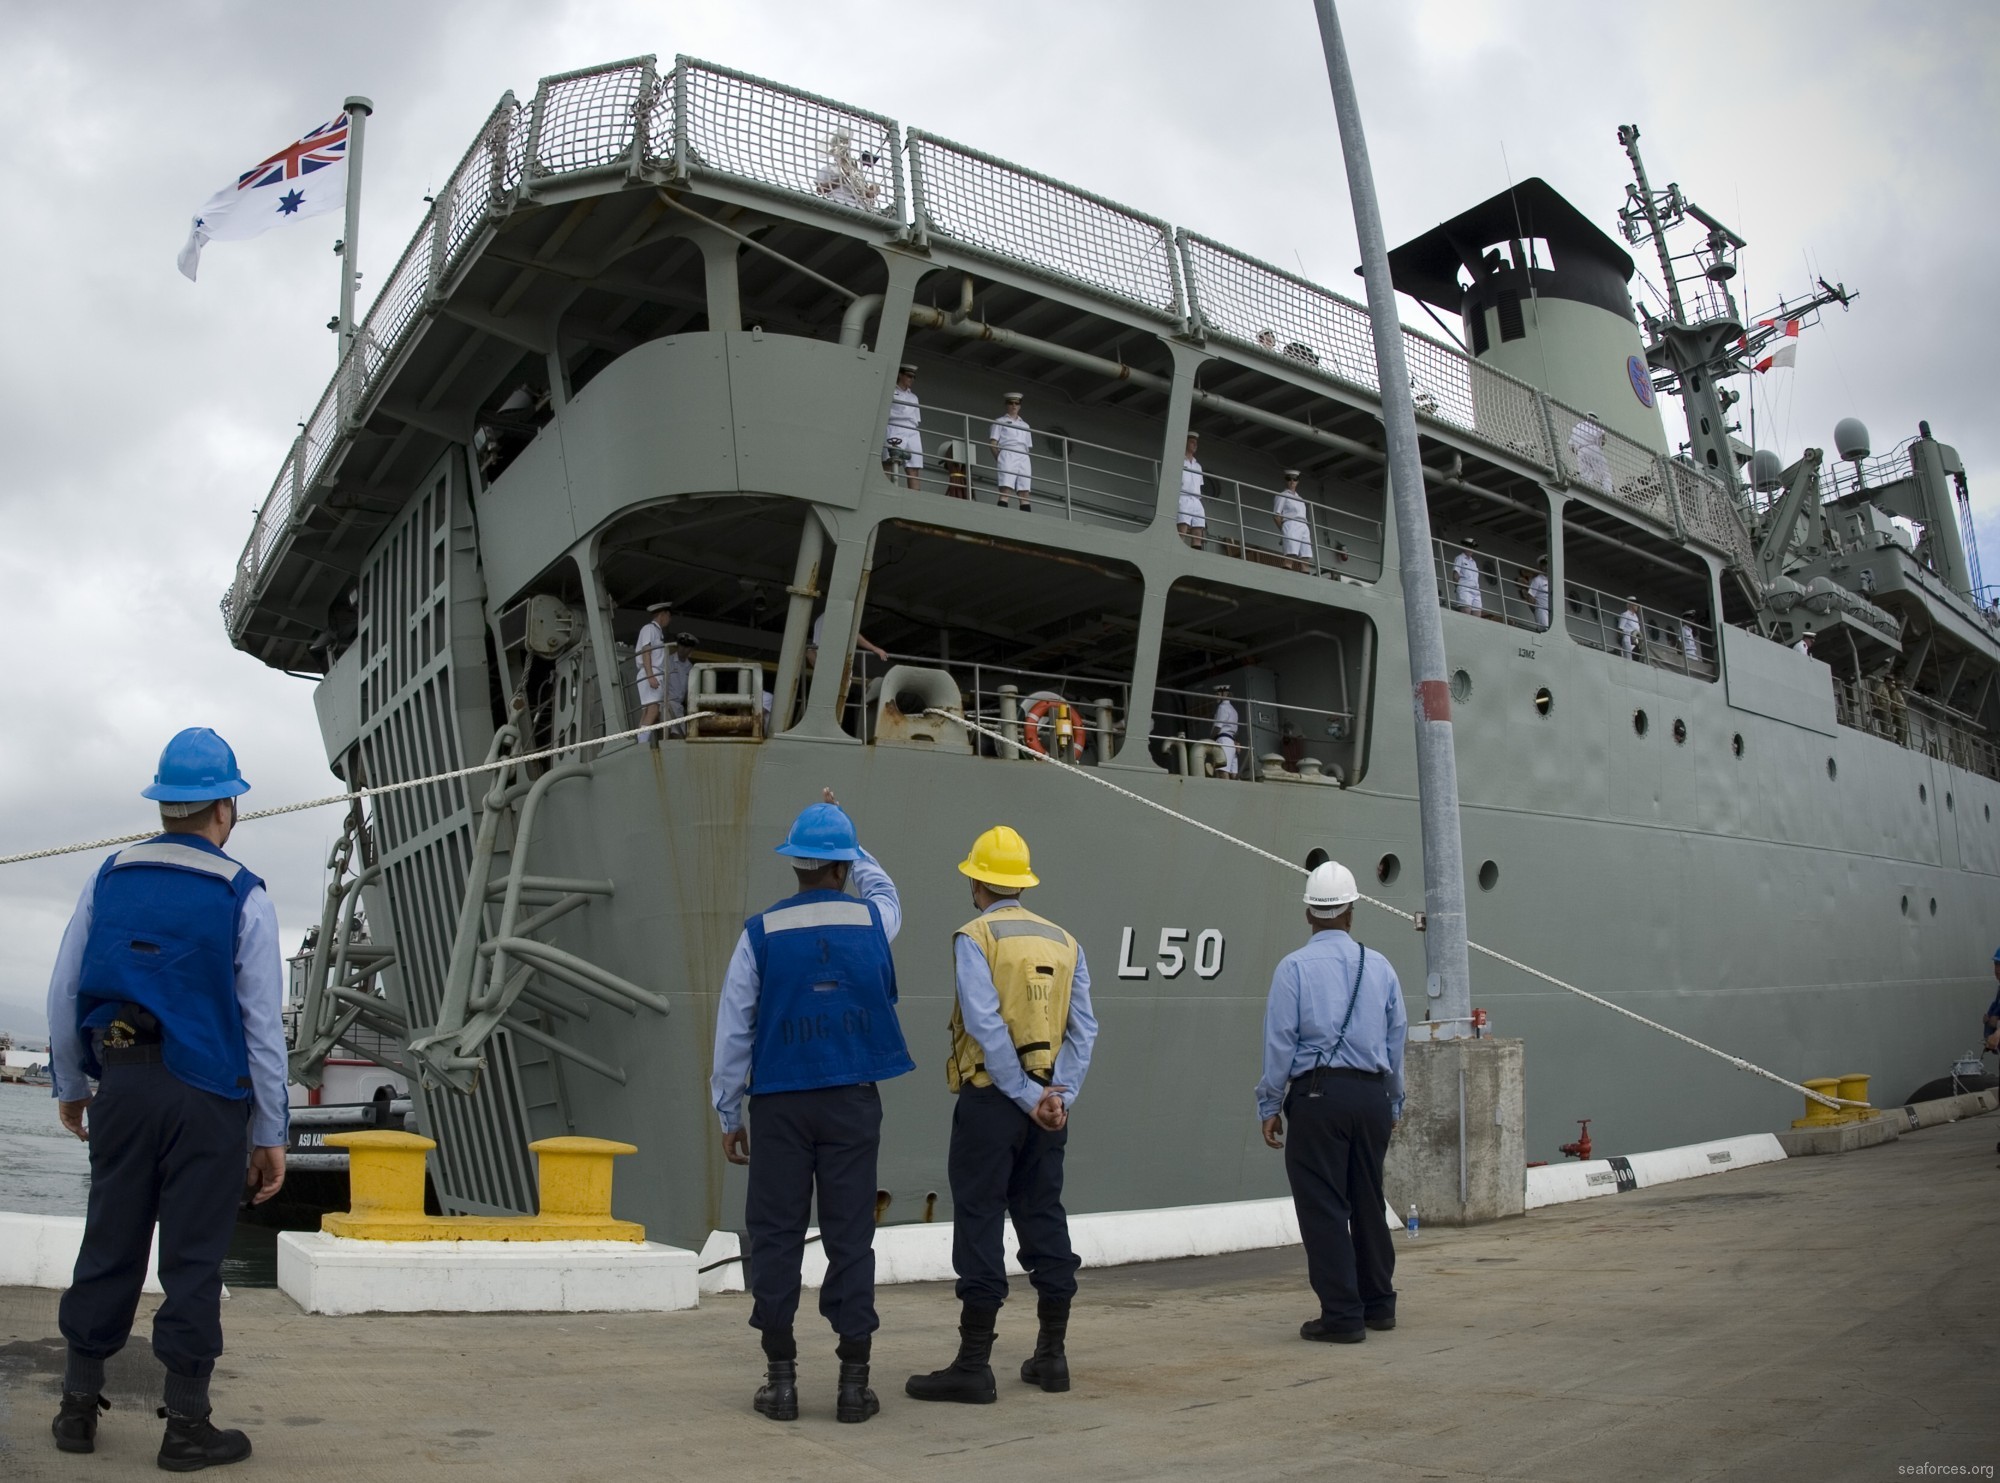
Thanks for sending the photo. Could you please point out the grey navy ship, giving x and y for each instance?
(1729, 763)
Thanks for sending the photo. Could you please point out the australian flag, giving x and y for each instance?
(305, 178)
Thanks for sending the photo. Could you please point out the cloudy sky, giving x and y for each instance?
(142, 417)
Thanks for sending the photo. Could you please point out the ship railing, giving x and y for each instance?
(1497, 588)
(1840, 477)
(1594, 457)
(626, 122)
(1596, 619)
(998, 696)
(1329, 542)
(1267, 311)
(1092, 482)
(1881, 707)
(1298, 735)
(990, 208)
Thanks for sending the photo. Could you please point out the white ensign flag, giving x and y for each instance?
(303, 179)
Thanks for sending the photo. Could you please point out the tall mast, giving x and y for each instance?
(349, 248)
(1642, 196)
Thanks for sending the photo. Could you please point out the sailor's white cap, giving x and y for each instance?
(1633, 600)
(907, 369)
(1193, 436)
(1291, 473)
(1471, 543)
(1012, 396)
(1222, 689)
(660, 605)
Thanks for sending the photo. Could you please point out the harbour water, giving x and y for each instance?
(44, 1171)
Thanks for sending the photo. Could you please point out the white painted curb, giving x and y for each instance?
(40, 1251)
(333, 1274)
(1558, 1184)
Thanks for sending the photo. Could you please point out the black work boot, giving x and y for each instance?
(969, 1378)
(75, 1426)
(193, 1443)
(778, 1396)
(855, 1401)
(1048, 1367)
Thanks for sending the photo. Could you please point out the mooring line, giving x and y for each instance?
(1499, 957)
(361, 793)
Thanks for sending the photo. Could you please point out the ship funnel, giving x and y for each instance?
(1542, 293)
(1850, 438)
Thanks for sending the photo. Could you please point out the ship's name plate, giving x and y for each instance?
(1174, 956)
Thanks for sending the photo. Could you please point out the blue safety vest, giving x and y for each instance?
(826, 1005)
(164, 917)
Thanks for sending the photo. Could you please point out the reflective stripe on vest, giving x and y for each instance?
(1033, 964)
(818, 914)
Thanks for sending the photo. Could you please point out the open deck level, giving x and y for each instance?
(1826, 1318)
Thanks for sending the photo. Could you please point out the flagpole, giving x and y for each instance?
(358, 109)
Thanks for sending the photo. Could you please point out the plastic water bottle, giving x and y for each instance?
(1410, 1224)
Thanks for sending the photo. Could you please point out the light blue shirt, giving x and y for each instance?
(979, 1006)
(736, 1015)
(1309, 994)
(260, 999)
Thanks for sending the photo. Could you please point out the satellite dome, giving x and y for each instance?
(1850, 436)
(1767, 470)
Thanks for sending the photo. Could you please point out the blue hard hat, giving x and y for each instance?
(196, 766)
(1996, 955)
(822, 832)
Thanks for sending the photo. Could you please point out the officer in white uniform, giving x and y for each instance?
(649, 664)
(1013, 441)
(1192, 521)
(901, 441)
(1222, 727)
(1294, 522)
(1586, 441)
(1465, 578)
(1538, 593)
(680, 665)
(1628, 628)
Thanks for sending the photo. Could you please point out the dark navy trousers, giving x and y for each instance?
(160, 1150)
(823, 1141)
(1004, 1163)
(1335, 1141)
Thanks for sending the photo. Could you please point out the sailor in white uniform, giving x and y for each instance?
(1294, 522)
(1586, 441)
(649, 663)
(1222, 727)
(1465, 578)
(1013, 442)
(1628, 628)
(901, 441)
(1690, 644)
(1538, 593)
(1192, 519)
(841, 179)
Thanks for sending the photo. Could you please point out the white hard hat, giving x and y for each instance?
(1330, 887)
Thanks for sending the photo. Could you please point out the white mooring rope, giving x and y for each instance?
(377, 792)
(1737, 1061)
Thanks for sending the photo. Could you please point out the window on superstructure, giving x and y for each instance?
(1637, 596)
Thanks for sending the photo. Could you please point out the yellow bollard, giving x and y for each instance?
(1854, 1088)
(1819, 1115)
(576, 1180)
(385, 1176)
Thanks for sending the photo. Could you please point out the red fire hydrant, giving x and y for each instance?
(1581, 1148)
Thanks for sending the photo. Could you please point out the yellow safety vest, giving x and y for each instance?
(1033, 962)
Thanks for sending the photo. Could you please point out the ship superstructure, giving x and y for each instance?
(644, 346)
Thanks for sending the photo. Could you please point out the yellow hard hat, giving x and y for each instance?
(1000, 858)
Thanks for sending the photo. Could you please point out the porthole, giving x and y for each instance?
(1906, 906)
(1639, 722)
(1680, 730)
(1989, 813)
(1948, 807)
(1832, 768)
(1387, 869)
(1933, 906)
(1736, 744)
(1923, 794)
(1544, 701)
(1489, 876)
(1461, 686)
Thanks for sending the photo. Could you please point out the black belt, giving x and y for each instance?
(130, 1055)
(1314, 1076)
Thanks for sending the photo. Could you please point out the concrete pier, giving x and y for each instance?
(1830, 1318)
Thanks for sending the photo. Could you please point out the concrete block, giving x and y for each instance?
(1948, 1109)
(1801, 1143)
(332, 1274)
(1425, 1155)
(40, 1251)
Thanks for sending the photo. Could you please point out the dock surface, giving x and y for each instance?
(1829, 1318)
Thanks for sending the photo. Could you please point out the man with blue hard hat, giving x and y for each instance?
(807, 1026)
(168, 992)
(1334, 1028)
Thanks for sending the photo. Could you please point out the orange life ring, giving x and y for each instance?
(1031, 727)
